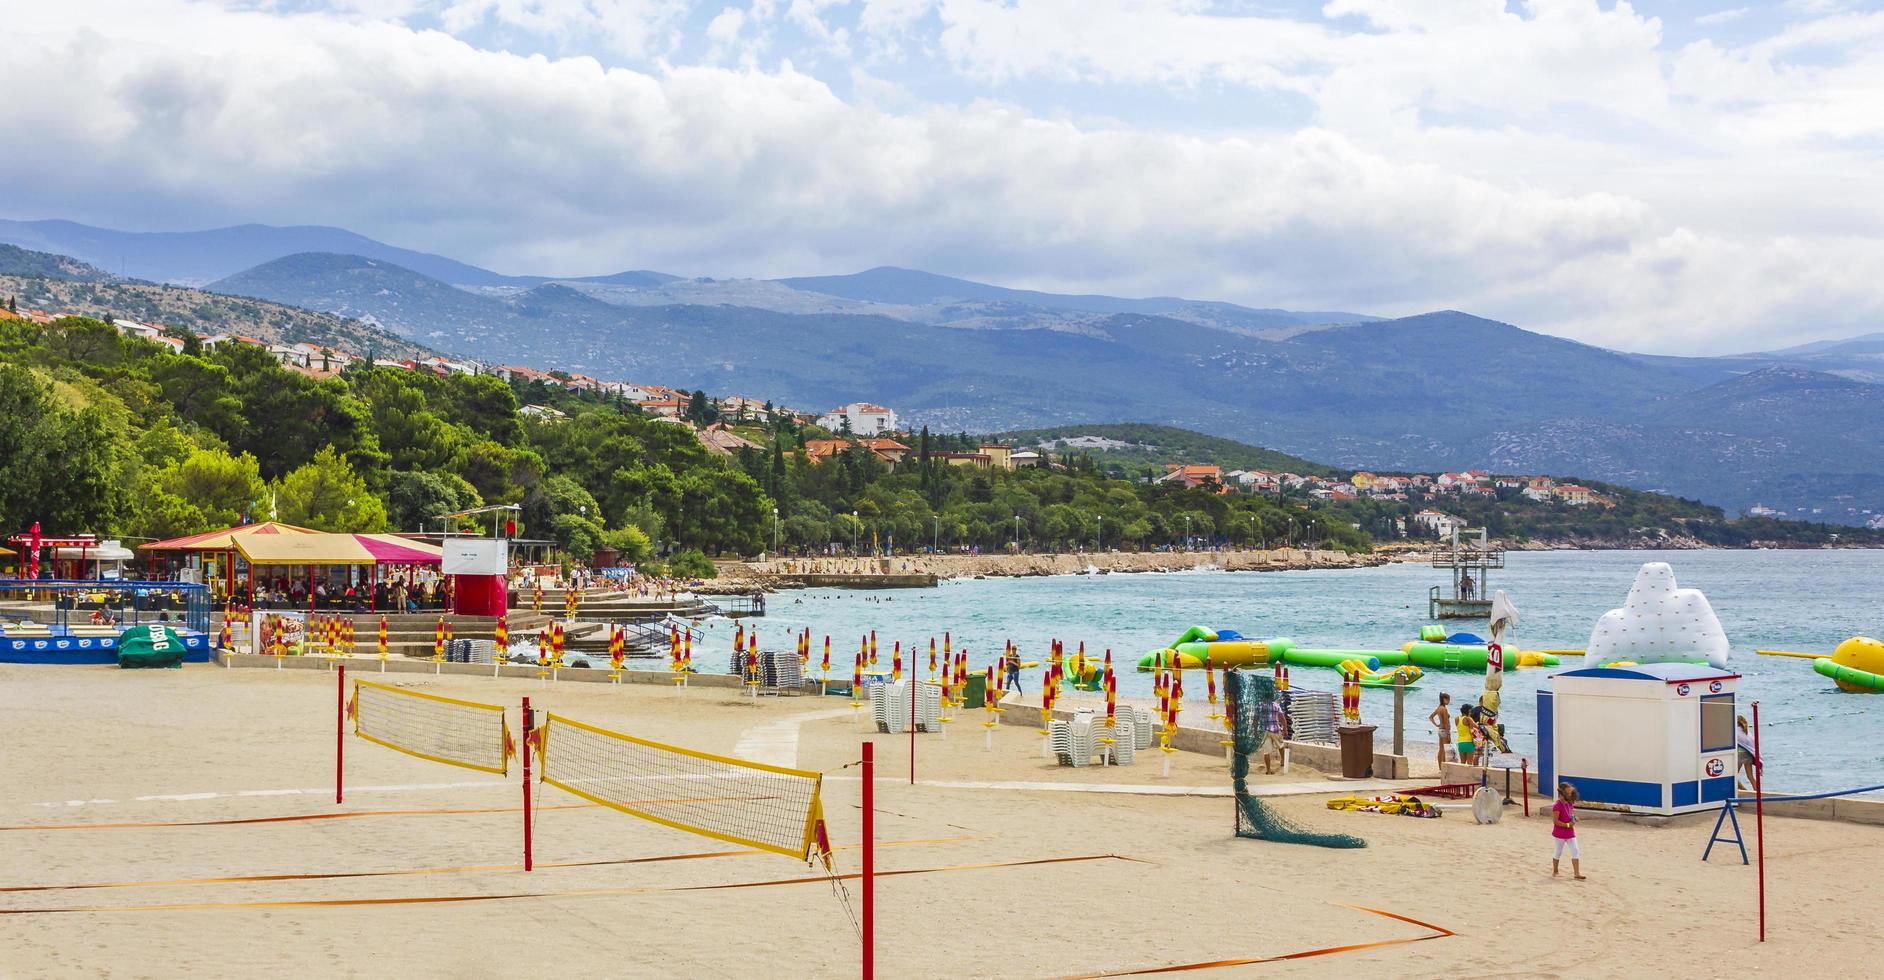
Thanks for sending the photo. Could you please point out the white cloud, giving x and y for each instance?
(540, 164)
(1718, 17)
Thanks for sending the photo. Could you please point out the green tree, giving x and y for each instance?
(327, 494)
(415, 498)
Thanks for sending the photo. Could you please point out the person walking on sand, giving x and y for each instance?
(1013, 663)
(1743, 746)
(1563, 827)
(1441, 718)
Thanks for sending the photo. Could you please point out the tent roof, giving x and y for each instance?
(319, 548)
(224, 539)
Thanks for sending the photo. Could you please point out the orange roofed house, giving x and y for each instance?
(1194, 475)
(884, 448)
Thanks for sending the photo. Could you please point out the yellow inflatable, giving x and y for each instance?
(1856, 665)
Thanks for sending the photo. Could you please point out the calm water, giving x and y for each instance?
(1815, 737)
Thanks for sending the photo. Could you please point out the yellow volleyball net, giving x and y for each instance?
(772, 808)
(457, 733)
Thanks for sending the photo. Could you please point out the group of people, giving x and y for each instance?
(1475, 732)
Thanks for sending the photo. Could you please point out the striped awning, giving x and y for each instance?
(224, 539)
(320, 548)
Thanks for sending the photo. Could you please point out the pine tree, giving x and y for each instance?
(922, 460)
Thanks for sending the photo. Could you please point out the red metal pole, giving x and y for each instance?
(869, 861)
(529, 863)
(1525, 767)
(340, 739)
(1759, 812)
(912, 721)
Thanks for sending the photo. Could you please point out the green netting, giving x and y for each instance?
(1251, 699)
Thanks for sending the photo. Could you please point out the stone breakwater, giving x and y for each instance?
(792, 572)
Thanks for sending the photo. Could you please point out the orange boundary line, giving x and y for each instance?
(1438, 932)
(238, 821)
(466, 869)
(576, 893)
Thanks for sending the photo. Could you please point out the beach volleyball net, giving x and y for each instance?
(1255, 708)
(771, 808)
(457, 733)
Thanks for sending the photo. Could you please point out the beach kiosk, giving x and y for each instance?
(1654, 738)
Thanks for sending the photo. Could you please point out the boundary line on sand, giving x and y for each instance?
(1438, 932)
(466, 869)
(574, 893)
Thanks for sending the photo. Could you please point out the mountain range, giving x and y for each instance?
(1442, 390)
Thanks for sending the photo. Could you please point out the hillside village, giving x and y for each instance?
(875, 429)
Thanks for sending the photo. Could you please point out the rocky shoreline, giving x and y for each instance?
(791, 573)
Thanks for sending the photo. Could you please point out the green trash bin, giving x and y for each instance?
(975, 690)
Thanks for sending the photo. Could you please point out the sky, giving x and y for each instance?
(1668, 176)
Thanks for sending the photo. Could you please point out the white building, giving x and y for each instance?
(1441, 524)
(865, 419)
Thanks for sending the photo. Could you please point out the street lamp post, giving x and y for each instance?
(775, 531)
(1017, 534)
(854, 522)
(935, 538)
(1099, 532)
(1187, 532)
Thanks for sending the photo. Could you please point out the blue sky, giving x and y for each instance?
(1669, 176)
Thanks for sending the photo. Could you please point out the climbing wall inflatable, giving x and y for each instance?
(1659, 623)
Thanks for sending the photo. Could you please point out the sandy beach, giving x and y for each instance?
(122, 778)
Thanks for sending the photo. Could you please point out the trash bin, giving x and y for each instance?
(973, 692)
(1357, 750)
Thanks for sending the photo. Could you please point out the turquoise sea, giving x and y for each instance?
(1815, 737)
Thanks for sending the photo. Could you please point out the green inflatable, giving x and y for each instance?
(155, 645)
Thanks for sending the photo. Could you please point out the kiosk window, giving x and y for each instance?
(1717, 723)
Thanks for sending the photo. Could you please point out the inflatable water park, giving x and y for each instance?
(1434, 649)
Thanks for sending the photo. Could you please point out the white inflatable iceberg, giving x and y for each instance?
(1659, 623)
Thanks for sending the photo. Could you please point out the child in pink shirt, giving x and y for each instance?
(1563, 826)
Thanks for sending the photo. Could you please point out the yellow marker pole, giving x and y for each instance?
(1046, 714)
(987, 704)
(856, 686)
(1111, 687)
(1210, 681)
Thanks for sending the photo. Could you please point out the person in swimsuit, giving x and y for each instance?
(1442, 720)
(1468, 744)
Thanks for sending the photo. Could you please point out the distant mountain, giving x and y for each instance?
(17, 261)
(1870, 343)
(911, 287)
(1791, 439)
(196, 257)
(1442, 390)
(193, 309)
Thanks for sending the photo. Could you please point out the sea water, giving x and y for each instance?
(1814, 736)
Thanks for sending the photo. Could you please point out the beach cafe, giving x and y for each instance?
(312, 566)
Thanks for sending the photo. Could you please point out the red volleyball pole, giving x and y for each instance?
(869, 861)
(1759, 812)
(528, 719)
(340, 739)
(912, 722)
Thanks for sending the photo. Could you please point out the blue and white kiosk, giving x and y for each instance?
(1652, 738)
(1646, 724)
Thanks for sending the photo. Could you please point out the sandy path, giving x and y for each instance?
(187, 745)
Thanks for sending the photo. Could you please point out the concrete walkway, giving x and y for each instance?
(775, 743)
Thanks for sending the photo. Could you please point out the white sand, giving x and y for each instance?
(86, 743)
